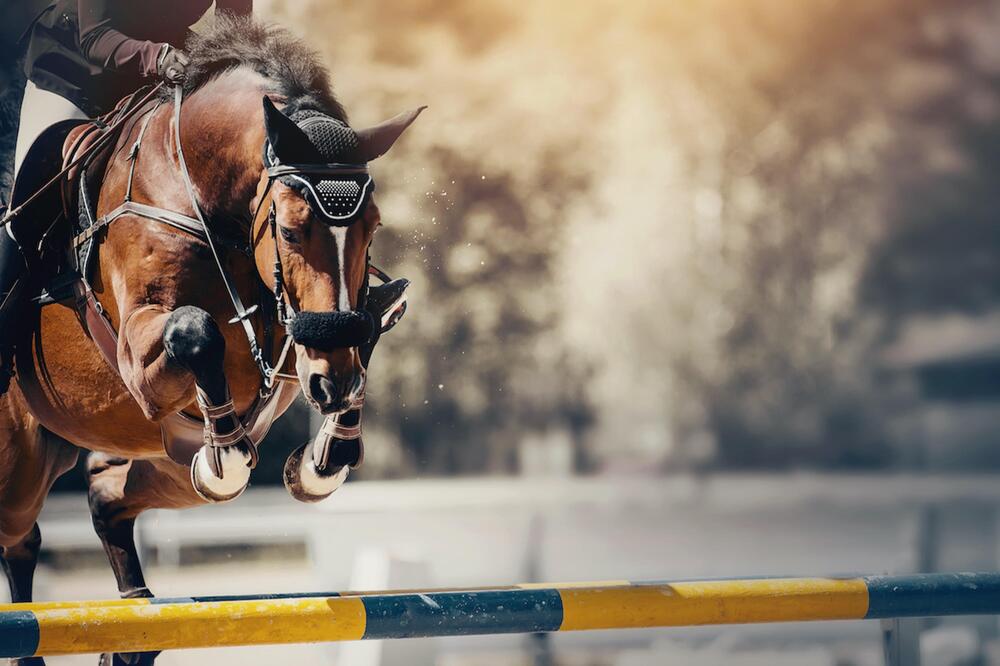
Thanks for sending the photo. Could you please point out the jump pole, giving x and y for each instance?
(141, 624)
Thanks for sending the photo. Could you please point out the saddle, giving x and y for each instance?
(182, 434)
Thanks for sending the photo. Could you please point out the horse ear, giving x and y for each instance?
(376, 141)
(289, 143)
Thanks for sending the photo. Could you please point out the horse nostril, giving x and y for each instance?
(321, 389)
(330, 395)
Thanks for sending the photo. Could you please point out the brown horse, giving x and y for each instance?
(227, 158)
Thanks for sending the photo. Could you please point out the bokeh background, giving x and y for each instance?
(659, 236)
(687, 245)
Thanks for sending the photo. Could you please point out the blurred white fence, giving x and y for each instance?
(647, 527)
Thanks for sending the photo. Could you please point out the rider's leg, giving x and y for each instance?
(40, 110)
(12, 267)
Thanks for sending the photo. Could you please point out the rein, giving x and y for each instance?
(91, 150)
(243, 314)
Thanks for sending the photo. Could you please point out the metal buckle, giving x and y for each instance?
(246, 314)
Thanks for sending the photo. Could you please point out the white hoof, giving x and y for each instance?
(306, 483)
(235, 475)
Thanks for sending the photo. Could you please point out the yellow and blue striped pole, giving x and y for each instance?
(135, 625)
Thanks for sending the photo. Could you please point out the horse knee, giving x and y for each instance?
(193, 340)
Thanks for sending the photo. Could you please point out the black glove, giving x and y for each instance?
(172, 64)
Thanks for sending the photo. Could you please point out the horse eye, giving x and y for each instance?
(290, 235)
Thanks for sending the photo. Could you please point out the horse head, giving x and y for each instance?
(316, 218)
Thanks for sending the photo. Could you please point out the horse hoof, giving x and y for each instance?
(235, 475)
(306, 483)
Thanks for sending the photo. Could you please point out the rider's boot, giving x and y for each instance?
(12, 269)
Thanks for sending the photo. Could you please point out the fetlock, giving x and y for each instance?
(318, 468)
(220, 470)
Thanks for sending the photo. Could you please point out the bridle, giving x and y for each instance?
(285, 309)
(270, 371)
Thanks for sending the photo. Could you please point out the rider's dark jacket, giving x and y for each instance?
(94, 52)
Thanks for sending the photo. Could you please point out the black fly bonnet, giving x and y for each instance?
(326, 162)
(337, 185)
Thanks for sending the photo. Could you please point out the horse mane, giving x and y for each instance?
(294, 69)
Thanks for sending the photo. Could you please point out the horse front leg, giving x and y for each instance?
(220, 470)
(163, 355)
(317, 468)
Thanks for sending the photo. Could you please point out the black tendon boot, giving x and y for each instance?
(12, 268)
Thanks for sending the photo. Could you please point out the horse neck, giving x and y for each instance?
(223, 132)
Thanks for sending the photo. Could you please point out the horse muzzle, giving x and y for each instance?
(327, 331)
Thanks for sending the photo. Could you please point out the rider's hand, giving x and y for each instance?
(172, 64)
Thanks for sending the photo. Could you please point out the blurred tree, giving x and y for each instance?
(801, 197)
(836, 169)
(942, 253)
(475, 203)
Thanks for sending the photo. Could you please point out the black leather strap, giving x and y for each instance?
(242, 313)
